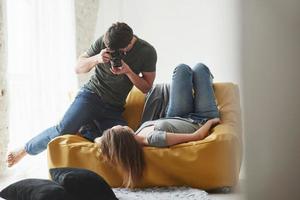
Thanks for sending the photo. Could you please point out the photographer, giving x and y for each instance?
(121, 60)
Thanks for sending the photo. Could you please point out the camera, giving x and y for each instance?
(116, 57)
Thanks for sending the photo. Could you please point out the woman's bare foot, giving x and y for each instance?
(203, 131)
(14, 157)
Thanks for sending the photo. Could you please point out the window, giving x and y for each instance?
(41, 61)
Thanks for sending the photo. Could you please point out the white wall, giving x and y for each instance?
(182, 32)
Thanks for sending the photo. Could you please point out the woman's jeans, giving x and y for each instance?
(191, 94)
(87, 108)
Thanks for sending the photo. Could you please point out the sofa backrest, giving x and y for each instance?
(134, 108)
(228, 101)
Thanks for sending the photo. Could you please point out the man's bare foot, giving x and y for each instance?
(14, 157)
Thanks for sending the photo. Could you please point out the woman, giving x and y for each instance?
(191, 113)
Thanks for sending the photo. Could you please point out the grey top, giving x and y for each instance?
(113, 89)
(157, 137)
(154, 115)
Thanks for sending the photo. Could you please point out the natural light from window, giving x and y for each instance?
(41, 59)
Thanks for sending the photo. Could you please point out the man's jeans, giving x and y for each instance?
(198, 106)
(86, 108)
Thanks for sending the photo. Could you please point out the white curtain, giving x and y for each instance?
(41, 60)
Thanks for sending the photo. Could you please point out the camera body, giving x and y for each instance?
(116, 57)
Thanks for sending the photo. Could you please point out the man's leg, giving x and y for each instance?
(181, 98)
(110, 116)
(95, 129)
(204, 102)
(80, 112)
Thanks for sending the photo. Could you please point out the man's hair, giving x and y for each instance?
(119, 147)
(118, 36)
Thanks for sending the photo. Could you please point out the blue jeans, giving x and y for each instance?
(199, 105)
(87, 108)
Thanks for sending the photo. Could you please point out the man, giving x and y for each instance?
(121, 60)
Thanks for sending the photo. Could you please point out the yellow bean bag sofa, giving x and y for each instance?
(207, 164)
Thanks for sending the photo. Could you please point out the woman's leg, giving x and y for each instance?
(181, 98)
(204, 102)
(80, 112)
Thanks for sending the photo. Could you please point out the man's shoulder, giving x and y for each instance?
(99, 41)
(96, 47)
(146, 46)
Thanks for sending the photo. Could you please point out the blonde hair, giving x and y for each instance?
(119, 146)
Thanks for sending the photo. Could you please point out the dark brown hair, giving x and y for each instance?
(119, 147)
(118, 36)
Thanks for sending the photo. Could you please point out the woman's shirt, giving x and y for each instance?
(157, 129)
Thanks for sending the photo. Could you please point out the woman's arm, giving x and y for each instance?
(201, 133)
(177, 138)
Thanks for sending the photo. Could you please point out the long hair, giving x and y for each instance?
(119, 147)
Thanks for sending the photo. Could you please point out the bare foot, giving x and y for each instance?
(15, 156)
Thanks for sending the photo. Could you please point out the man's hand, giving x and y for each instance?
(124, 69)
(143, 83)
(103, 56)
(86, 63)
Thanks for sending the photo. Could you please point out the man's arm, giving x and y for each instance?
(86, 63)
(143, 83)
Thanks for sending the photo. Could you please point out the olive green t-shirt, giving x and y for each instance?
(113, 89)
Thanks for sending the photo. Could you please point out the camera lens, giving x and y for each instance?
(116, 58)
